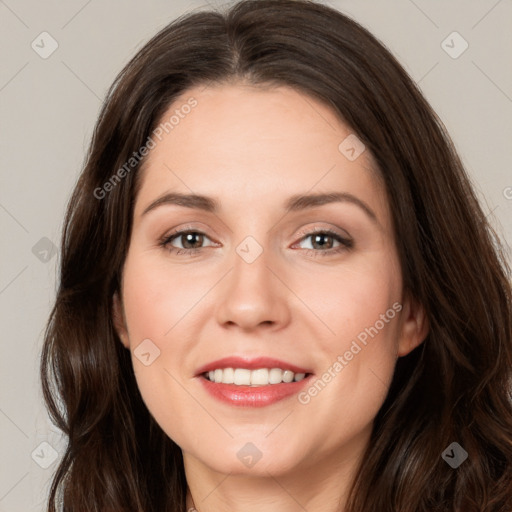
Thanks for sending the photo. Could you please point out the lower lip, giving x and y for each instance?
(248, 396)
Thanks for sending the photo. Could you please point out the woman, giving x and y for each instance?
(278, 290)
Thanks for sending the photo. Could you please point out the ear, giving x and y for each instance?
(414, 326)
(119, 320)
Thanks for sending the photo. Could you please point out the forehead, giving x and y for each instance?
(242, 143)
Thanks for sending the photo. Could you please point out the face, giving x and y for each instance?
(313, 286)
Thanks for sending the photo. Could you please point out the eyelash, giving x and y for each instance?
(346, 243)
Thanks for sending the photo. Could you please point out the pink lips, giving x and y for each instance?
(249, 396)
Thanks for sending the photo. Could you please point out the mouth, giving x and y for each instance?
(252, 382)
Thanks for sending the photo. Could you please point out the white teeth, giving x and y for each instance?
(275, 376)
(228, 376)
(242, 377)
(288, 376)
(259, 377)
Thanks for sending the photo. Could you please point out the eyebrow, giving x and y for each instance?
(293, 204)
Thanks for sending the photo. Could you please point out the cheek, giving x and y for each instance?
(155, 308)
(353, 298)
(359, 308)
(156, 299)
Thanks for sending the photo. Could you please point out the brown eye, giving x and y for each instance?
(322, 241)
(190, 241)
(325, 242)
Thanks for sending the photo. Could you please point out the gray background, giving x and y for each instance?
(48, 108)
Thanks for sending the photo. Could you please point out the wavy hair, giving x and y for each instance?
(456, 386)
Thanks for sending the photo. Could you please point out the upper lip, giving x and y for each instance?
(251, 364)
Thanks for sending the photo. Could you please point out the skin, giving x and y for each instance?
(251, 148)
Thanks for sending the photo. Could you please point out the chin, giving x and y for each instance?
(251, 459)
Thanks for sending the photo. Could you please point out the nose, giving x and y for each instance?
(254, 295)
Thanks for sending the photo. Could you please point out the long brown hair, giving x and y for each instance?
(455, 387)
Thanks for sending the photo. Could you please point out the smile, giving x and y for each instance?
(253, 378)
